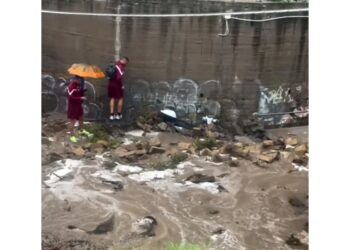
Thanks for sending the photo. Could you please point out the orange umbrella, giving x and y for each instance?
(85, 70)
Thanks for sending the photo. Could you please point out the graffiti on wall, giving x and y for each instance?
(54, 97)
(184, 96)
(286, 103)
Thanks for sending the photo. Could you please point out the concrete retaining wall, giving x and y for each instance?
(183, 62)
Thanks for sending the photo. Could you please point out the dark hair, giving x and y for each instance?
(126, 58)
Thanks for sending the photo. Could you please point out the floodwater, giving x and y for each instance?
(250, 204)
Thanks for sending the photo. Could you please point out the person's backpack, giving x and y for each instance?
(110, 71)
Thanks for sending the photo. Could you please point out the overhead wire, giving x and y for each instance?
(175, 15)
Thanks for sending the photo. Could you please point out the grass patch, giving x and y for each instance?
(99, 132)
(162, 165)
(170, 163)
(114, 143)
(178, 157)
(173, 246)
(206, 143)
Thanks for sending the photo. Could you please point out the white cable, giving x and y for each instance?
(268, 19)
(255, 20)
(174, 15)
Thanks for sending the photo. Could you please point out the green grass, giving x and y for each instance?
(178, 157)
(173, 246)
(99, 132)
(170, 163)
(206, 143)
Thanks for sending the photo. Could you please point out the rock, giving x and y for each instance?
(154, 142)
(238, 145)
(279, 141)
(162, 126)
(54, 157)
(205, 152)
(213, 211)
(241, 151)
(144, 127)
(98, 150)
(291, 141)
(89, 155)
(254, 149)
(157, 150)
(244, 139)
(119, 152)
(79, 151)
(227, 148)
(233, 162)
(125, 170)
(286, 155)
(298, 203)
(123, 153)
(212, 135)
(198, 177)
(219, 230)
(130, 147)
(117, 185)
(139, 152)
(261, 164)
(45, 141)
(145, 226)
(301, 149)
(103, 142)
(301, 238)
(268, 143)
(67, 207)
(139, 145)
(220, 157)
(222, 189)
(87, 145)
(109, 164)
(301, 160)
(197, 132)
(269, 156)
(184, 145)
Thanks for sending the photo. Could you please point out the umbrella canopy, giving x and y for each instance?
(86, 70)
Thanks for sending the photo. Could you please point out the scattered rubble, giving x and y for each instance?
(156, 150)
(268, 143)
(198, 177)
(268, 156)
(301, 149)
(162, 165)
(79, 151)
(145, 226)
(298, 239)
(233, 162)
(291, 141)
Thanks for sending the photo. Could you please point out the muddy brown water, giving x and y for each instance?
(256, 212)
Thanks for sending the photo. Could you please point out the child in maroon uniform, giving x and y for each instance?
(116, 89)
(75, 109)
